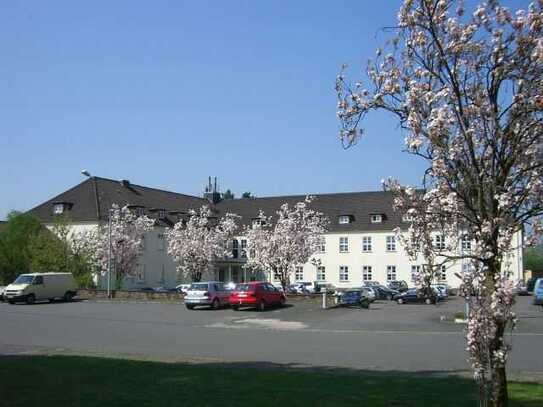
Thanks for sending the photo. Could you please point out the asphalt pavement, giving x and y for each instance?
(388, 336)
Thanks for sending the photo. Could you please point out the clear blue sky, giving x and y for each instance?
(165, 93)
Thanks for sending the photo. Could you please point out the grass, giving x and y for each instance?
(89, 381)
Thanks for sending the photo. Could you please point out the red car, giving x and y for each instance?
(256, 294)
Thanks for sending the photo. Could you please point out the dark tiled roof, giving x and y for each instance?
(358, 205)
(91, 199)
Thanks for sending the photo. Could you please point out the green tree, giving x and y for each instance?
(533, 258)
(51, 251)
(15, 241)
(247, 195)
(228, 195)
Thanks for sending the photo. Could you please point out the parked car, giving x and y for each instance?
(427, 296)
(329, 288)
(182, 288)
(398, 285)
(521, 288)
(384, 293)
(353, 297)
(306, 287)
(256, 294)
(442, 289)
(370, 293)
(530, 284)
(209, 293)
(371, 283)
(2, 289)
(41, 286)
(538, 292)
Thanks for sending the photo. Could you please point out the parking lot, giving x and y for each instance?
(388, 336)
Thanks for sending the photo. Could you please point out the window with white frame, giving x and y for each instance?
(322, 245)
(366, 243)
(344, 219)
(343, 244)
(58, 208)
(343, 273)
(243, 248)
(391, 243)
(391, 273)
(466, 243)
(321, 273)
(439, 242)
(140, 211)
(367, 274)
(299, 273)
(443, 273)
(235, 248)
(467, 268)
(406, 218)
(376, 218)
(415, 273)
(161, 242)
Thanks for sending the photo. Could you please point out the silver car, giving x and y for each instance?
(210, 293)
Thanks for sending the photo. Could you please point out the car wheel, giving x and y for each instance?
(282, 302)
(235, 307)
(30, 299)
(261, 305)
(11, 302)
(68, 296)
(51, 300)
(400, 300)
(215, 304)
(389, 297)
(189, 306)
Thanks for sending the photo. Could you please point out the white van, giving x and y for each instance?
(41, 286)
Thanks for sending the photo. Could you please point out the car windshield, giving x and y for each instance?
(198, 287)
(24, 279)
(244, 287)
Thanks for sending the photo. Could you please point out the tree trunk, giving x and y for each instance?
(499, 396)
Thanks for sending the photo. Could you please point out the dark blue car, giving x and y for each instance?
(354, 298)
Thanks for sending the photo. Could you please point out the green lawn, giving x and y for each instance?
(87, 381)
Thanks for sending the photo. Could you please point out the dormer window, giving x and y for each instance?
(376, 218)
(407, 218)
(161, 214)
(61, 207)
(344, 219)
(258, 222)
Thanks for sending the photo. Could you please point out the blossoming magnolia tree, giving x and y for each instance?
(467, 89)
(127, 234)
(278, 245)
(199, 241)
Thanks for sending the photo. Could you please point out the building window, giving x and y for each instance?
(376, 218)
(366, 243)
(391, 273)
(161, 242)
(466, 243)
(439, 242)
(391, 243)
(443, 274)
(235, 248)
(321, 273)
(299, 273)
(322, 245)
(162, 275)
(467, 268)
(276, 276)
(343, 273)
(344, 219)
(367, 273)
(258, 222)
(141, 273)
(415, 273)
(343, 244)
(161, 214)
(58, 209)
(407, 218)
(243, 248)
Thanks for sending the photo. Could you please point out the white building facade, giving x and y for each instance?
(360, 245)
